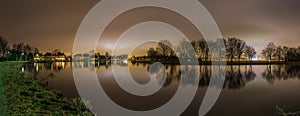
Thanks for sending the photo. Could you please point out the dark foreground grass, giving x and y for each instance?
(2, 96)
(22, 94)
(281, 111)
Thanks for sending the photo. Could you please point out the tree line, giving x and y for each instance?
(22, 52)
(283, 53)
(18, 51)
(235, 50)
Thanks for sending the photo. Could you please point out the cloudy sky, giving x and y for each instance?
(52, 24)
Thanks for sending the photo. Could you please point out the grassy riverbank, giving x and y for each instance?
(22, 94)
(281, 111)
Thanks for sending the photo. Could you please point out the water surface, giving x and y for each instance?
(248, 90)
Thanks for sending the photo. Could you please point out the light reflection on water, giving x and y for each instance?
(247, 90)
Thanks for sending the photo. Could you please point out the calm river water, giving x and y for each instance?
(248, 90)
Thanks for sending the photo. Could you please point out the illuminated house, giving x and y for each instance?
(60, 58)
(37, 57)
(49, 57)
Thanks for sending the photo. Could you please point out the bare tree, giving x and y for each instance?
(27, 51)
(18, 48)
(285, 50)
(235, 47)
(36, 50)
(54, 52)
(185, 50)
(293, 54)
(278, 52)
(219, 48)
(231, 48)
(164, 48)
(204, 48)
(3, 46)
(151, 53)
(201, 49)
(249, 52)
(269, 51)
(240, 45)
(197, 48)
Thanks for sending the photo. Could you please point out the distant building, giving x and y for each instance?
(60, 58)
(49, 57)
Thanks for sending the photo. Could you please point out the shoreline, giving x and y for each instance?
(25, 94)
(176, 62)
(222, 62)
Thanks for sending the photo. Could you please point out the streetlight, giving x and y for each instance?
(8, 54)
(22, 55)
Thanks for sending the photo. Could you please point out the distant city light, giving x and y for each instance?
(125, 61)
(255, 58)
(37, 68)
(63, 65)
(23, 69)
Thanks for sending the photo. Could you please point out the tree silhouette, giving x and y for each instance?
(97, 55)
(231, 48)
(285, 50)
(36, 50)
(278, 52)
(107, 55)
(269, 51)
(218, 48)
(293, 54)
(17, 50)
(235, 47)
(151, 53)
(249, 52)
(3, 46)
(240, 45)
(201, 49)
(27, 51)
(185, 50)
(23, 51)
(205, 49)
(164, 48)
(55, 52)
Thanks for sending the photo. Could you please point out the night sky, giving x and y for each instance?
(52, 24)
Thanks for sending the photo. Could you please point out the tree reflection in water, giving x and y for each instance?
(274, 73)
(237, 76)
